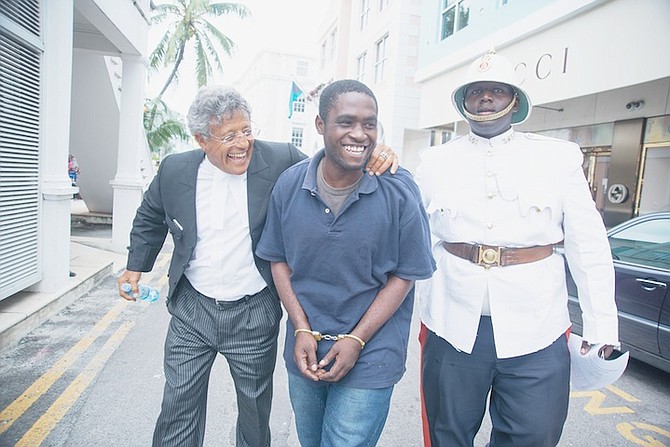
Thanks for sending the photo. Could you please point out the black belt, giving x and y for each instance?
(225, 303)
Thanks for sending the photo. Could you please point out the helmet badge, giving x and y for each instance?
(484, 63)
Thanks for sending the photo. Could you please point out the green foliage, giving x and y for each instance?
(163, 127)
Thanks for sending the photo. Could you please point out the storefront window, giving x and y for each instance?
(655, 184)
(596, 165)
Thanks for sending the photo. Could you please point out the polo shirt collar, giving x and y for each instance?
(367, 185)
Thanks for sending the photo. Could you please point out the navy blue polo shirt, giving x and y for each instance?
(339, 263)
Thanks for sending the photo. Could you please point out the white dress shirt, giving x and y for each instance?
(222, 266)
(514, 190)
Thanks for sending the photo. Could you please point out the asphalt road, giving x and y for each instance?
(92, 376)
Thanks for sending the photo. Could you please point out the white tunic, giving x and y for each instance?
(514, 190)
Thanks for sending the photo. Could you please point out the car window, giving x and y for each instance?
(647, 243)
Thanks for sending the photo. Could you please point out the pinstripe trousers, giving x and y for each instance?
(245, 332)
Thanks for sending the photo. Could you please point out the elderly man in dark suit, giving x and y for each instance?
(213, 201)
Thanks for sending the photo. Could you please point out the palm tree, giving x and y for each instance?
(191, 24)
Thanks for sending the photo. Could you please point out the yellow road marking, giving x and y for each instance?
(626, 430)
(14, 410)
(41, 429)
(622, 394)
(594, 405)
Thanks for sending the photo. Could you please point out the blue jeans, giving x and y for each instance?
(334, 415)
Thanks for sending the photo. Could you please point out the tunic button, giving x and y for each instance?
(489, 225)
(489, 174)
(489, 153)
(491, 195)
(327, 210)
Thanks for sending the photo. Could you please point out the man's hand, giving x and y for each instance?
(382, 158)
(132, 278)
(343, 354)
(604, 352)
(304, 355)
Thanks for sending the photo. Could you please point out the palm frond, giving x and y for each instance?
(167, 132)
(165, 127)
(223, 40)
(237, 9)
(163, 11)
(157, 56)
(176, 43)
(211, 50)
(202, 66)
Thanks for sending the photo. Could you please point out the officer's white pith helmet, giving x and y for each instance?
(493, 68)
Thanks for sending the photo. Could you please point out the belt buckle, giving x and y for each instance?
(489, 257)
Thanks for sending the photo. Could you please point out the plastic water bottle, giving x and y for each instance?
(148, 294)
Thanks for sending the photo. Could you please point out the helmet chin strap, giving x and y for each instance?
(491, 117)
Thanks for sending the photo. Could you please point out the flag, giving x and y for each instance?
(296, 92)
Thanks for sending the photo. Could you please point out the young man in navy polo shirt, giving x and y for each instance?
(345, 249)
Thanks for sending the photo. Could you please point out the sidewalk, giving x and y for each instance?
(91, 259)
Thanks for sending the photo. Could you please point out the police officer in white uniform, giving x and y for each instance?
(495, 313)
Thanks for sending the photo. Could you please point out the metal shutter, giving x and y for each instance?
(20, 69)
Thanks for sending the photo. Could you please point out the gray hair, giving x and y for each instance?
(212, 105)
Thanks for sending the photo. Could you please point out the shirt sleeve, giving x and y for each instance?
(415, 260)
(589, 257)
(271, 244)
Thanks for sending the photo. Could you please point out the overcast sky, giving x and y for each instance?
(274, 24)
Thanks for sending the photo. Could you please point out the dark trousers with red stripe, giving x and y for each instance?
(528, 395)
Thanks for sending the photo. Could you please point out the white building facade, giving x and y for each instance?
(73, 81)
(596, 73)
(377, 43)
(266, 85)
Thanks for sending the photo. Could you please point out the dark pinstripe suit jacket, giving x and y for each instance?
(171, 199)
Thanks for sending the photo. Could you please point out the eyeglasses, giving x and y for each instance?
(232, 139)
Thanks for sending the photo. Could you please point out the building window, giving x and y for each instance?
(365, 12)
(299, 104)
(360, 67)
(455, 16)
(383, 4)
(439, 136)
(296, 136)
(380, 58)
(333, 43)
(302, 68)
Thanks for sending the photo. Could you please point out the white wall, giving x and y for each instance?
(94, 129)
(603, 107)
